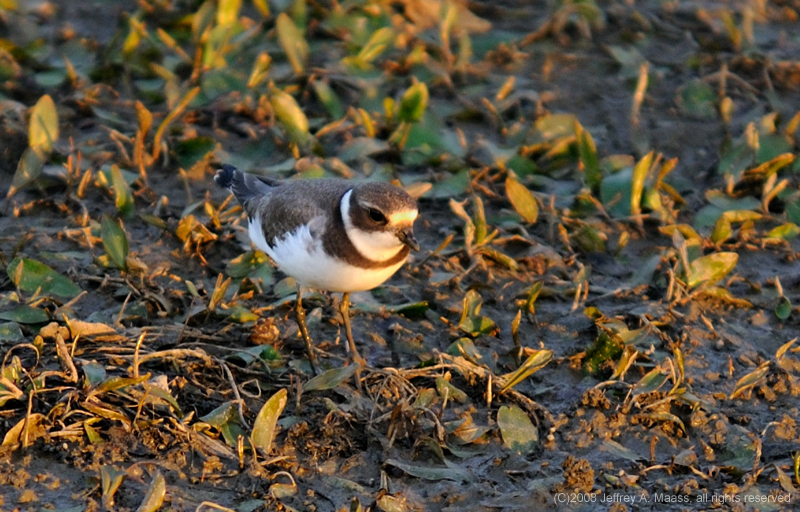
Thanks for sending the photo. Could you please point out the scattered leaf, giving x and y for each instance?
(155, 495)
(449, 392)
(750, 380)
(522, 200)
(330, 379)
(110, 480)
(652, 381)
(10, 331)
(43, 129)
(266, 421)
(710, 268)
(293, 42)
(290, 115)
(413, 103)
(517, 430)
(25, 315)
(115, 242)
(450, 472)
(535, 362)
(31, 275)
(123, 197)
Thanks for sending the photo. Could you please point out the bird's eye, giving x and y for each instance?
(376, 216)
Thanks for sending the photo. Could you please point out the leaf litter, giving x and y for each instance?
(604, 302)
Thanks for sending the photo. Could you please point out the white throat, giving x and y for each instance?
(373, 245)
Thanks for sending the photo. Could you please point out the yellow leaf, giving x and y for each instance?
(522, 200)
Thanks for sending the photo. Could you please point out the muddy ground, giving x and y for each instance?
(657, 389)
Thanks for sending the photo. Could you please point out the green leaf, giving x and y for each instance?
(499, 257)
(652, 381)
(30, 275)
(267, 419)
(629, 355)
(190, 151)
(25, 315)
(522, 200)
(589, 239)
(698, 99)
(616, 192)
(241, 314)
(471, 320)
(588, 156)
(413, 103)
(293, 42)
(228, 12)
(164, 395)
(330, 379)
(115, 242)
(449, 392)
(260, 70)
(329, 99)
(451, 472)
(10, 331)
(290, 115)
(784, 232)
(750, 380)
(605, 349)
(454, 185)
(784, 308)
(534, 363)
(169, 118)
(372, 49)
(43, 129)
(517, 430)
(110, 479)
(117, 382)
(263, 353)
(246, 264)
(615, 449)
(723, 228)
(359, 148)
(465, 348)
(95, 373)
(710, 268)
(123, 198)
(221, 415)
(29, 168)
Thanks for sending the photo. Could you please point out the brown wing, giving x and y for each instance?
(291, 204)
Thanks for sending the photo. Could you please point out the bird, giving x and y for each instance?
(330, 234)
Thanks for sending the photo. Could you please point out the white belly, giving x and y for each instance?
(300, 256)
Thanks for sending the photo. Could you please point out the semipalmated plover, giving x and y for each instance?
(330, 234)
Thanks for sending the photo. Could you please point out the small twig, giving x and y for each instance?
(71, 303)
(136, 355)
(638, 96)
(66, 359)
(122, 309)
(234, 387)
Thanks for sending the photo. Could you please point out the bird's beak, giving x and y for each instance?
(406, 235)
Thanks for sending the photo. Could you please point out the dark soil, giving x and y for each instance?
(696, 442)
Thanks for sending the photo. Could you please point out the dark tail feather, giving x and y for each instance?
(244, 186)
(224, 177)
